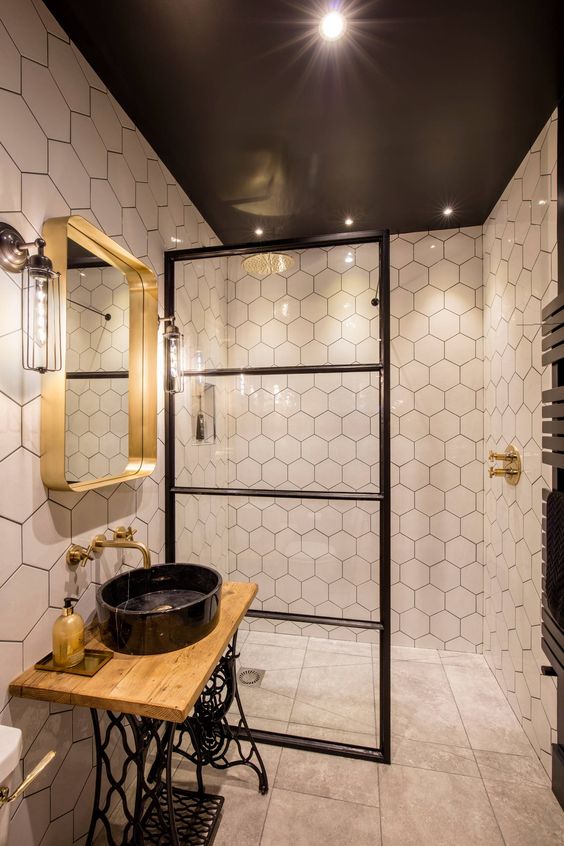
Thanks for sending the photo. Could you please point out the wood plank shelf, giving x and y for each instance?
(163, 687)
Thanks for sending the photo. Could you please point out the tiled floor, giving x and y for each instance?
(302, 688)
(463, 771)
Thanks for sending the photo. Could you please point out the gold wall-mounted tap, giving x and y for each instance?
(511, 469)
(122, 539)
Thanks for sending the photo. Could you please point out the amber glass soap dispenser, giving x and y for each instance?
(68, 636)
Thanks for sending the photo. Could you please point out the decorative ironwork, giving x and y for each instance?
(213, 741)
(197, 818)
(144, 809)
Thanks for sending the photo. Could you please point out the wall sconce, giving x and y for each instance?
(173, 357)
(41, 301)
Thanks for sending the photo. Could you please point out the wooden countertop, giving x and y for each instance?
(163, 686)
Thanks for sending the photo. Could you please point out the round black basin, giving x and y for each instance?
(165, 607)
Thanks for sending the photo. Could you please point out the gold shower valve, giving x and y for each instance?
(502, 456)
(511, 469)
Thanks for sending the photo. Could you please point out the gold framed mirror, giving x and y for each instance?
(99, 412)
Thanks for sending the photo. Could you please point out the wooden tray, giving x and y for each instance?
(93, 660)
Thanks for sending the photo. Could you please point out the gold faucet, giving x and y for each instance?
(122, 539)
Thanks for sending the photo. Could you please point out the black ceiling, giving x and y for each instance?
(420, 105)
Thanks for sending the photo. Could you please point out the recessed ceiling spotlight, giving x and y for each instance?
(332, 26)
(448, 211)
(259, 231)
(349, 221)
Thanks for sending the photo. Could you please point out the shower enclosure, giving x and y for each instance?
(278, 472)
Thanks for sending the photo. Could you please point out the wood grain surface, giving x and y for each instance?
(163, 686)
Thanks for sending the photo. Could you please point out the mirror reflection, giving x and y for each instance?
(97, 368)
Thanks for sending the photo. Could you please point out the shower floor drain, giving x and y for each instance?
(250, 677)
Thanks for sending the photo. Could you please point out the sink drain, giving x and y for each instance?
(250, 677)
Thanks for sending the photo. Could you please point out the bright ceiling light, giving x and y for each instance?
(259, 231)
(349, 221)
(332, 26)
(448, 211)
(542, 202)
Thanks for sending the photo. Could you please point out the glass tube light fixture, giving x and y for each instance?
(173, 357)
(41, 300)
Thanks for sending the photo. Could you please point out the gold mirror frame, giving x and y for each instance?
(143, 330)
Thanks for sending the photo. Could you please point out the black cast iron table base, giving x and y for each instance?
(135, 800)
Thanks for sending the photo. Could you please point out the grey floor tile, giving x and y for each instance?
(305, 820)
(462, 659)
(278, 640)
(527, 815)
(317, 658)
(265, 656)
(426, 808)
(328, 775)
(349, 647)
(341, 698)
(408, 653)
(434, 756)
(486, 713)
(496, 766)
(423, 707)
(274, 699)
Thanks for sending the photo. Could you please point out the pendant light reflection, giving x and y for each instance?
(41, 300)
(174, 358)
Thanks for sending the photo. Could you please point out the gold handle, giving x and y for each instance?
(502, 471)
(5, 795)
(77, 554)
(502, 456)
(121, 533)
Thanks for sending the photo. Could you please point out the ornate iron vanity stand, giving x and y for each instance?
(153, 809)
(208, 729)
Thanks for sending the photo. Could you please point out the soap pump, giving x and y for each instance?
(68, 636)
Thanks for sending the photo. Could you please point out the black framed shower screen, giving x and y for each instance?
(382, 752)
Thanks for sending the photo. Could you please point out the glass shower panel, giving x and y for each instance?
(308, 557)
(319, 311)
(319, 687)
(281, 418)
(307, 432)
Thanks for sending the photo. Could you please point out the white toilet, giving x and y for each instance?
(10, 753)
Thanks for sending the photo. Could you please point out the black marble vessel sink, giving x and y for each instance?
(165, 607)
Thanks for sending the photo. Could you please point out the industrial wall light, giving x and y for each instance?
(41, 300)
(173, 357)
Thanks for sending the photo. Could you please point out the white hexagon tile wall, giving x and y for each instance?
(320, 432)
(520, 274)
(65, 147)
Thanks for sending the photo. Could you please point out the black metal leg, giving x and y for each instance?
(212, 738)
(150, 809)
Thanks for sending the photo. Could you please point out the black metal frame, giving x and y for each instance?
(383, 752)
